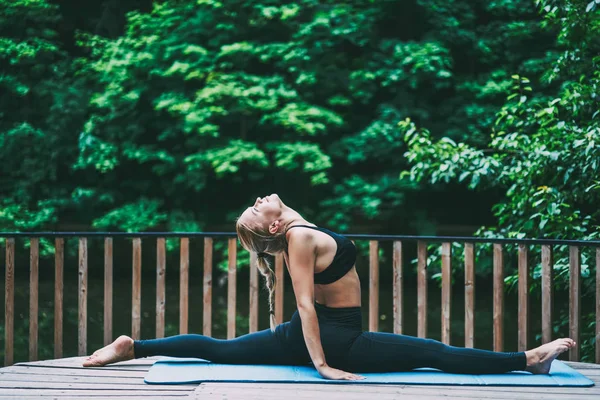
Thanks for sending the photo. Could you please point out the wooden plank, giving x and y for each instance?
(373, 285)
(421, 289)
(34, 263)
(108, 290)
(160, 287)
(60, 393)
(279, 288)
(37, 372)
(574, 300)
(59, 262)
(547, 273)
(91, 385)
(207, 287)
(83, 272)
(136, 293)
(9, 302)
(397, 283)
(231, 287)
(65, 378)
(498, 297)
(184, 273)
(597, 340)
(76, 362)
(469, 253)
(523, 318)
(446, 290)
(253, 317)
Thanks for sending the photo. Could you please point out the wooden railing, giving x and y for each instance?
(524, 273)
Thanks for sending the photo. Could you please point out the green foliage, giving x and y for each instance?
(543, 153)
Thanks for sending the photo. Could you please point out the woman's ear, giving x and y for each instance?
(274, 227)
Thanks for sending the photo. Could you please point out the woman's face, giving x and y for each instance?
(263, 212)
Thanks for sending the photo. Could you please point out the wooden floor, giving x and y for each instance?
(66, 379)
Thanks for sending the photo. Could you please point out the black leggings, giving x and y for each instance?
(345, 345)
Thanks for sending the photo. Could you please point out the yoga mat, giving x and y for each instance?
(193, 370)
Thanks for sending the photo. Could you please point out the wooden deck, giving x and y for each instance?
(66, 379)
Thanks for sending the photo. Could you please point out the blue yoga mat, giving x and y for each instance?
(180, 370)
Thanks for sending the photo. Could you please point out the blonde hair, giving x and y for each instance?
(261, 241)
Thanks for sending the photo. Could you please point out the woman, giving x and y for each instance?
(326, 328)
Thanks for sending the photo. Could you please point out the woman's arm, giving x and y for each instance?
(302, 257)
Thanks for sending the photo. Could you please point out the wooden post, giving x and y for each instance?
(231, 287)
(136, 296)
(279, 288)
(469, 295)
(59, 262)
(184, 268)
(397, 282)
(9, 303)
(160, 287)
(547, 273)
(421, 289)
(108, 290)
(574, 300)
(523, 323)
(253, 312)
(446, 290)
(34, 262)
(207, 301)
(83, 270)
(498, 298)
(373, 286)
(597, 305)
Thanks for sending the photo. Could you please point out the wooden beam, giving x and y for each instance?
(397, 282)
(574, 300)
(108, 290)
(498, 297)
(59, 262)
(34, 263)
(136, 294)
(547, 274)
(160, 287)
(184, 273)
(373, 286)
(523, 319)
(469, 295)
(446, 291)
(231, 287)
(83, 271)
(207, 287)
(421, 289)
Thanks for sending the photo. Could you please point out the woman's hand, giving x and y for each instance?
(337, 374)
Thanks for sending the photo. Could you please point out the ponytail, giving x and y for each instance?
(267, 272)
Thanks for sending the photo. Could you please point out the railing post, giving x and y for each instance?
(108, 290)
(373, 286)
(498, 298)
(397, 282)
(231, 287)
(597, 305)
(547, 267)
(446, 290)
(207, 288)
(9, 303)
(574, 303)
(422, 289)
(469, 295)
(253, 311)
(136, 296)
(279, 288)
(160, 286)
(83, 271)
(523, 323)
(34, 262)
(59, 261)
(184, 268)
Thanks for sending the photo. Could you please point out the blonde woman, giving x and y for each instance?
(326, 329)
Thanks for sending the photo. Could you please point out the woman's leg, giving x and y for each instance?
(264, 347)
(386, 352)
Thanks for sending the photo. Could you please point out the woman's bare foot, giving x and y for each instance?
(119, 350)
(540, 358)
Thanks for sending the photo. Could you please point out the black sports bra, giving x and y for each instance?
(343, 261)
